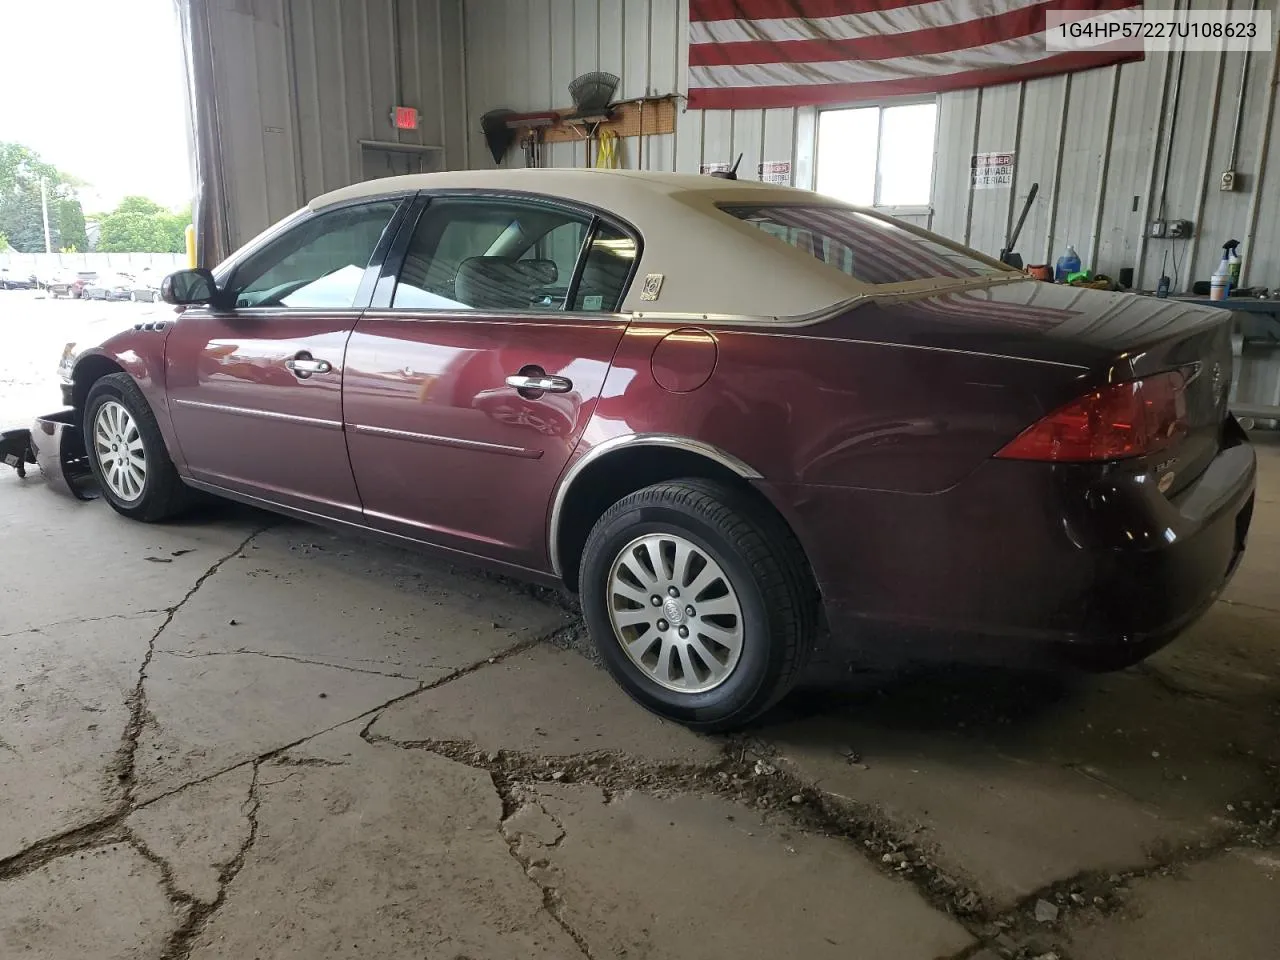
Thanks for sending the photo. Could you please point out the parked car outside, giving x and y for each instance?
(82, 279)
(58, 283)
(146, 286)
(17, 279)
(109, 286)
(725, 413)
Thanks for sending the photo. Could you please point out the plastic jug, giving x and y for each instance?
(1220, 282)
(1068, 264)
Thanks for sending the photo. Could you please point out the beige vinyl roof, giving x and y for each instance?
(587, 184)
(710, 262)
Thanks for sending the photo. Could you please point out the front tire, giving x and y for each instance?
(699, 601)
(127, 452)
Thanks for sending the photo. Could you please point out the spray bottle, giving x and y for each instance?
(1233, 261)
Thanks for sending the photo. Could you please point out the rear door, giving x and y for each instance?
(469, 382)
(256, 392)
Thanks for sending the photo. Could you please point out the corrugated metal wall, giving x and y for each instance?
(299, 83)
(1094, 141)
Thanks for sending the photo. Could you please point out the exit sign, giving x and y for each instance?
(405, 118)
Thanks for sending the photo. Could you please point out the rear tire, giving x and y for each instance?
(127, 453)
(719, 667)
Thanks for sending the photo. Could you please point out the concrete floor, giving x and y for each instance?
(241, 737)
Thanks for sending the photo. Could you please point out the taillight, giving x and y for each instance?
(1121, 420)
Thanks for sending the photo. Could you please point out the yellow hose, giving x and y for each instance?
(607, 151)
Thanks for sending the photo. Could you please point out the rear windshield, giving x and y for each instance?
(866, 248)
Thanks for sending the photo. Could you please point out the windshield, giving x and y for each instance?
(864, 247)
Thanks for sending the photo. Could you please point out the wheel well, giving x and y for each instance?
(88, 372)
(602, 484)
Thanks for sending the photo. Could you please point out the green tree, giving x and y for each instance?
(139, 225)
(175, 227)
(23, 222)
(21, 217)
(4, 243)
(71, 224)
(140, 205)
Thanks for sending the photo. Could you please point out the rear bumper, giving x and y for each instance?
(1021, 558)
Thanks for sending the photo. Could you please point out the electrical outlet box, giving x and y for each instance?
(1228, 180)
(1170, 229)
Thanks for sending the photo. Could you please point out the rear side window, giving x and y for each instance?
(866, 248)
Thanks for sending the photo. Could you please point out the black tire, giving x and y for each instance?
(765, 566)
(163, 493)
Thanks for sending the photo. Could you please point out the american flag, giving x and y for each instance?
(748, 54)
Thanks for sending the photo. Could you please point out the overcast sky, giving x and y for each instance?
(96, 87)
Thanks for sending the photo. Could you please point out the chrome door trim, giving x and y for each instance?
(259, 414)
(712, 453)
(525, 453)
(497, 317)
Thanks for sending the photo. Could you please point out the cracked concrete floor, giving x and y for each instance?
(244, 737)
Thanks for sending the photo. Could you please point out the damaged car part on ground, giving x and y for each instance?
(53, 443)
(721, 411)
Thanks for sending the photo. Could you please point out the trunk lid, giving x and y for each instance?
(1081, 339)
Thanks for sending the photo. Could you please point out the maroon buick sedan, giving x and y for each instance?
(727, 414)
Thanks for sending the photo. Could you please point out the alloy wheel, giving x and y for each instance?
(675, 613)
(121, 455)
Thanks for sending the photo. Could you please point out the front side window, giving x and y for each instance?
(470, 253)
(868, 248)
(878, 156)
(316, 265)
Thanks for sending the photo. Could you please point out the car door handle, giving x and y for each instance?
(305, 366)
(544, 383)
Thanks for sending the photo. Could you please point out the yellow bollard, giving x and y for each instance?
(190, 234)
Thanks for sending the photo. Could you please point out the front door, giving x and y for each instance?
(255, 392)
(466, 393)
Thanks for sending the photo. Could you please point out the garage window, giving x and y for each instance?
(878, 156)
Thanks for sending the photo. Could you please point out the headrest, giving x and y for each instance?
(539, 271)
(499, 283)
(490, 283)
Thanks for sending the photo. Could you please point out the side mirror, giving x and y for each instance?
(188, 287)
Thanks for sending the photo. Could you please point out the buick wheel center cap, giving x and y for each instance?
(673, 611)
